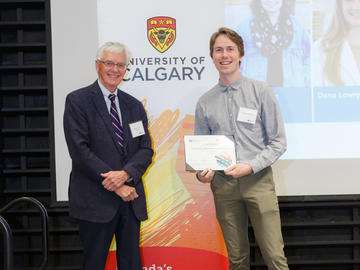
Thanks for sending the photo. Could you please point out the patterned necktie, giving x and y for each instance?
(119, 131)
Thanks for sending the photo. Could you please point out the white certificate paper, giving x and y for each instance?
(216, 152)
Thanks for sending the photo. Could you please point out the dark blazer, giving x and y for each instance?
(93, 149)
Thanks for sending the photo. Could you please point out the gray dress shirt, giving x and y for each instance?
(249, 111)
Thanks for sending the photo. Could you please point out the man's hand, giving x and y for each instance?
(127, 193)
(206, 175)
(238, 170)
(114, 179)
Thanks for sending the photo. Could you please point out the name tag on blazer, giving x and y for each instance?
(137, 129)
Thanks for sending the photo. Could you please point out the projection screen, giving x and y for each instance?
(322, 116)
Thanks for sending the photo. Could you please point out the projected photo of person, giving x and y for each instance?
(336, 55)
(277, 45)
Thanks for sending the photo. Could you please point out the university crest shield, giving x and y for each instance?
(161, 32)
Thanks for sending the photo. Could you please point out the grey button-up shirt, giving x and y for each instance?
(223, 111)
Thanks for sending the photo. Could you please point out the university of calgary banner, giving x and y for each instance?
(171, 68)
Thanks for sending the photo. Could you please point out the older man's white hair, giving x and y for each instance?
(115, 47)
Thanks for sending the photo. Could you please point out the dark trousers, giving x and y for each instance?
(97, 238)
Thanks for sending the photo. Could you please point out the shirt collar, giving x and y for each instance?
(235, 86)
(105, 91)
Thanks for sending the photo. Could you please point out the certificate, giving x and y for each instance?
(216, 152)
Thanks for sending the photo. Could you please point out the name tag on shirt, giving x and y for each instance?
(247, 115)
(137, 129)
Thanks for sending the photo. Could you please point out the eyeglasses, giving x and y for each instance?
(110, 64)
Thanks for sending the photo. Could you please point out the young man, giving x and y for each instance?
(107, 135)
(248, 110)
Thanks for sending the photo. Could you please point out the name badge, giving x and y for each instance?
(247, 115)
(137, 129)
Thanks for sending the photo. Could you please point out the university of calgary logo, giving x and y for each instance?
(161, 32)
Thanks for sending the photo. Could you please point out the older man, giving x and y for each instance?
(107, 135)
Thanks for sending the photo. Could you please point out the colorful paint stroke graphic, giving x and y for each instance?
(181, 232)
(223, 160)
